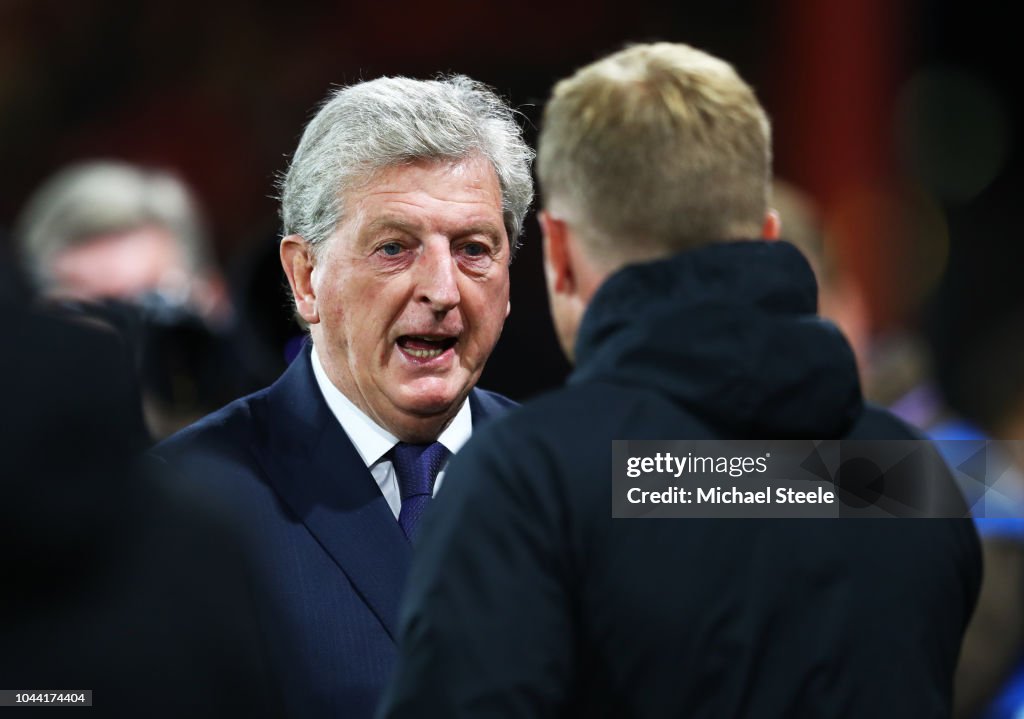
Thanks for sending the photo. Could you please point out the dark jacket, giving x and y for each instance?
(528, 600)
(115, 580)
(332, 558)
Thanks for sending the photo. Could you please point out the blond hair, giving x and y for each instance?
(655, 149)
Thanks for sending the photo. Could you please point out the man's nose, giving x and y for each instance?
(437, 281)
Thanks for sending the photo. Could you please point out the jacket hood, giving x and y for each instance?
(728, 331)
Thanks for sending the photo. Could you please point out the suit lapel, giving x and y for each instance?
(484, 405)
(317, 472)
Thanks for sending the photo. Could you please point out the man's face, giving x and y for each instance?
(412, 290)
(121, 265)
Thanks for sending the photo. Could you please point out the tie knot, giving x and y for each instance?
(416, 467)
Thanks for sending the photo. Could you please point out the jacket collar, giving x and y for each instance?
(729, 332)
(318, 473)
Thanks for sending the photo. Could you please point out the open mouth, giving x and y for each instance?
(424, 347)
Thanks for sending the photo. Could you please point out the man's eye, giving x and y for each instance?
(390, 249)
(474, 249)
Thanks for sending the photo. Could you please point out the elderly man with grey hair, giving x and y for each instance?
(402, 208)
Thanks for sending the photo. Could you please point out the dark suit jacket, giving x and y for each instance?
(280, 466)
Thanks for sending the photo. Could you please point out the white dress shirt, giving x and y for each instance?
(373, 442)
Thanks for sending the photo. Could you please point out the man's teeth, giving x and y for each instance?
(423, 347)
(423, 354)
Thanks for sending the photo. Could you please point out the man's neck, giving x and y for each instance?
(373, 438)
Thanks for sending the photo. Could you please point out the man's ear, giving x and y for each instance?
(557, 261)
(298, 262)
(772, 227)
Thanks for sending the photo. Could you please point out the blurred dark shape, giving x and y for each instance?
(989, 673)
(975, 330)
(982, 377)
(265, 322)
(14, 288)
(953, 131)
(975, 323)
(976, 383)
(115, 579)
(840, 297)
(985, 381)
(185, 368)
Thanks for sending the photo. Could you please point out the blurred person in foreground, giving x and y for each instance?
(115, 580)
(401, 208)
(129, 242)
(527, 599)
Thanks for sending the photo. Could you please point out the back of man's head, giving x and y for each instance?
(653, 150)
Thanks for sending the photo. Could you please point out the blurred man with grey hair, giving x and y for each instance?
(402, 208)
(127, 244)
(685, 322)
(106, 229)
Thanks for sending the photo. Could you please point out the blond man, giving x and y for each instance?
(685, 322)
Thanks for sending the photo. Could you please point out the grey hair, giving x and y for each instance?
(103, 196)
(390, 121)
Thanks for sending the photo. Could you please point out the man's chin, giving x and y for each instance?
(423, 420)
(431, 397)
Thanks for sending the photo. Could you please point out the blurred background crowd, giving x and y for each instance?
(141, 141)
(897, 121)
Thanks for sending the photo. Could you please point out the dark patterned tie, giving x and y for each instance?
(416, 467)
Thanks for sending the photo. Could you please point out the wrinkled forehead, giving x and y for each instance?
(413, 169)
(426, 191)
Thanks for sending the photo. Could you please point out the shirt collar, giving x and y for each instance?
(372, 441)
